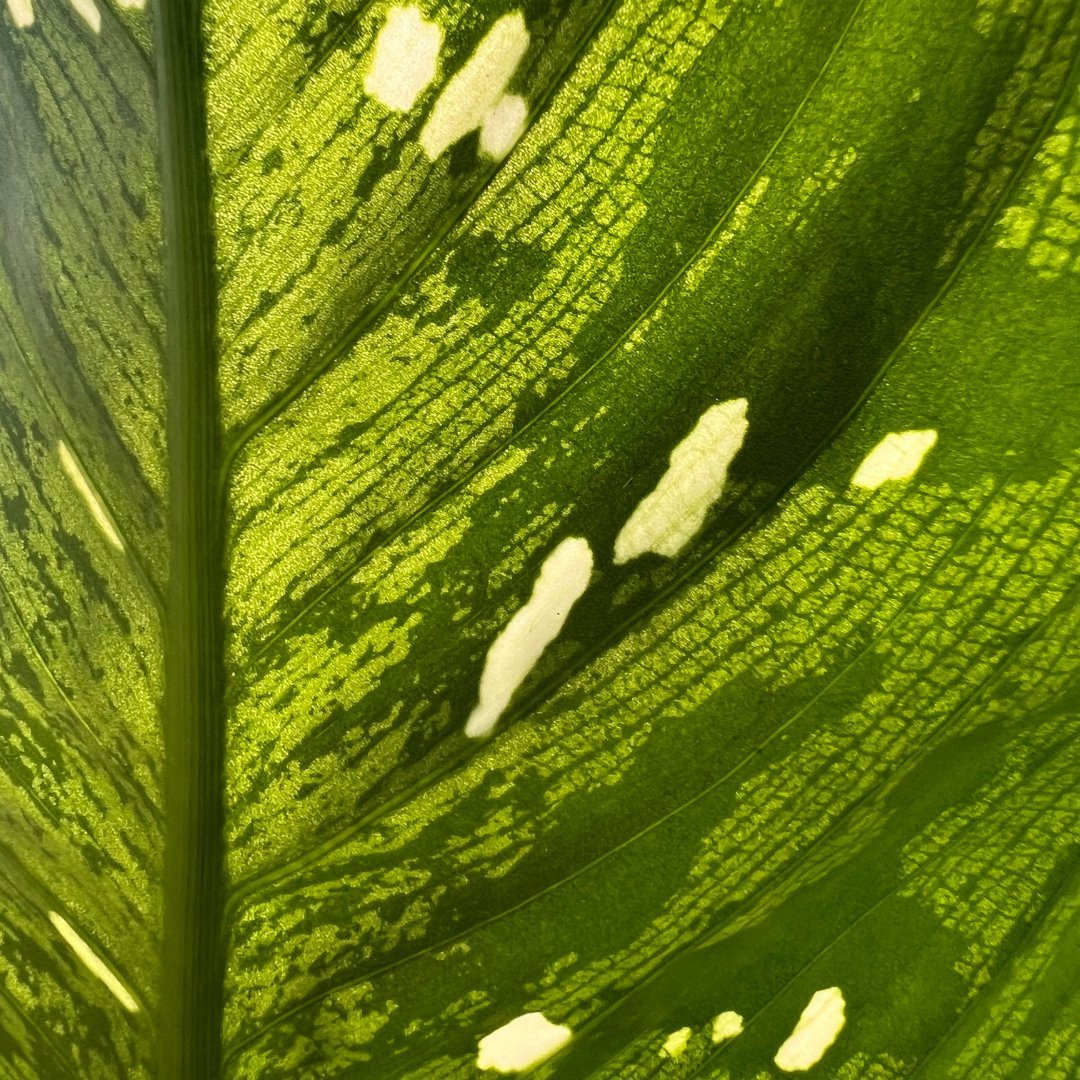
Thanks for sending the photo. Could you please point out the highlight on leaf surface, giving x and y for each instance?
(539, 538)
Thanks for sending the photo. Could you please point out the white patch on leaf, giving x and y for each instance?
(669, 517)
(522, 1043)
(817, 1029)
(897, 457)
(94, 964)
(406, 55)
(503, 126)
(83, 486)
(562, 579)
(474, 96)
(22, 13)
(89, 13)
(675, 1044)
(726, 1026)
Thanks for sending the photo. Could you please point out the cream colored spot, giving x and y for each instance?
(675, 1044)
(94, 964)
(83, 486)
(88, 12)
(474, 93)
(22, 13)
(726, 1026)
(669, 517)
(503, 126)
(134, 5)
(406, 54)
(563, 578)
(817, 1029)
(897, 457)
(522, 1043)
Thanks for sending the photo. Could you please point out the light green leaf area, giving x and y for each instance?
(610, 553)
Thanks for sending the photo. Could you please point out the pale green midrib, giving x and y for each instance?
(192, 963)
(352, 333)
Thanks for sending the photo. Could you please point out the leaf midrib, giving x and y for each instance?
(193, 709)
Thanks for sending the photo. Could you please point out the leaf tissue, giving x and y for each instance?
(539, 536)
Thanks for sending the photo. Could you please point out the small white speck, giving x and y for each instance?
(503, 126)
(675, 1044)
(562, 579)
(22, 13)
(820, 1023)
(88, 12)
(94, 964)
(406, 55)
(897, 457)
(726, 1026)
(669, 517)
(471, 97)
(82, 485)
(522, 1043)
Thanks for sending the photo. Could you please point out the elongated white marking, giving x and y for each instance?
(817, 1029)
(134, 5)
(669, 517)
(726, 1026)
(93, 503)
(675, 1044)
(897, 457)
(522, 1043)
(88, 12)
(22, 13)
(503, 126)
(406, 54)
(94, 964)
(472, 97)
(563, 578)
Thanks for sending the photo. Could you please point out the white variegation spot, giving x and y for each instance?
(897, 457)
(473, 94)
(406, 55)
(133, 5)
(89, 13)
(21, 12)
(669, 517)
(820, 1023)
(522, 1043)
(675, 1044)
(563, 578)
(503, 126)
(82, 485)
(726, 1026)
(94, 964)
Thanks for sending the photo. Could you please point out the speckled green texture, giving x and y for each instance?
(833, 741)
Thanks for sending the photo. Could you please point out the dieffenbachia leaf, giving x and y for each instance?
(539, 536)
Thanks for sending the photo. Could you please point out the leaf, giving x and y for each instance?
(680, 397)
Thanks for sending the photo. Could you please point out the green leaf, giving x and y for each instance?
(539, 530)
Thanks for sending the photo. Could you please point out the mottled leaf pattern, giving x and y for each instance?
(692, 384)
